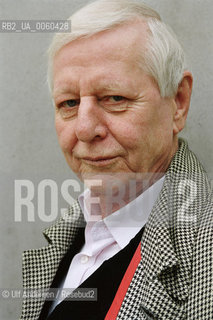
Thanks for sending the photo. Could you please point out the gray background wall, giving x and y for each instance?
(28, 143)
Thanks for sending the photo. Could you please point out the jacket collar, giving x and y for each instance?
(63, 233)
(40, 265)
(168, 239)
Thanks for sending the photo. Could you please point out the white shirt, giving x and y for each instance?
(106, 237)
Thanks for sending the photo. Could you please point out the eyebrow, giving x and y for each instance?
(116, 85)
(113, 86)
(60, 91)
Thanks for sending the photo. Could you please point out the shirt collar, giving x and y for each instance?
(126, 222)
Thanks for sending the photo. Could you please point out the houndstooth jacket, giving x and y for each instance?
(174, 279)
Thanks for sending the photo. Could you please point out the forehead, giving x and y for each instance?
(121, 42)
(107, 52)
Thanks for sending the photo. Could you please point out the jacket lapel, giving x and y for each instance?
(156, 273)
(161, 291)
(40, 265)
(163, 274)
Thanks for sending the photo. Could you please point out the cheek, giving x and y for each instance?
(65, 135)
(126, 135)
(125, 129)
(161, 119)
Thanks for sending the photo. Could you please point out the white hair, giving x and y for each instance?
(163, 58)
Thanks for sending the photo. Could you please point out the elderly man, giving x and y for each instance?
(142, 233)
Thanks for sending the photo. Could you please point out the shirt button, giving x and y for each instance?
(84, 259)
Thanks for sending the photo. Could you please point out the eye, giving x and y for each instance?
(69, 108)
(116, 98)
(70, 103)
(113, 100)
(114, 103)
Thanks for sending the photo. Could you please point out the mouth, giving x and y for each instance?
(99, 161)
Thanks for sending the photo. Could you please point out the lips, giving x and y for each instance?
(99, 161)
(98, 158)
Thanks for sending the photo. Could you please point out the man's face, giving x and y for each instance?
(110, 117)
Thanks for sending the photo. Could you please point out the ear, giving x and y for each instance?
(182, 102)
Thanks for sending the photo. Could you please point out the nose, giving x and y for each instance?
(90, 123)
